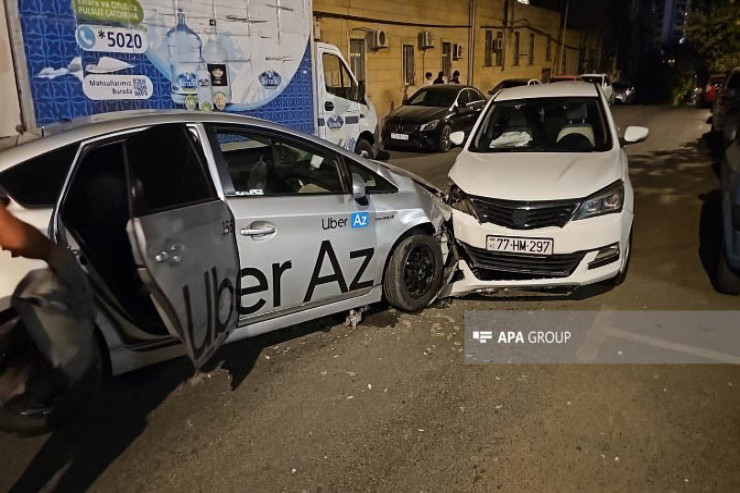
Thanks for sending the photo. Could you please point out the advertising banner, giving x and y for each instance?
(244, 56)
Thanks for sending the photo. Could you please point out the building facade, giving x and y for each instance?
(391, 45)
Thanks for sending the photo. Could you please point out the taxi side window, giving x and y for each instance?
(167, 170)
(374, 183)
(267, 166)
(38, 181)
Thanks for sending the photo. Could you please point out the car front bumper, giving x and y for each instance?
(576, 246)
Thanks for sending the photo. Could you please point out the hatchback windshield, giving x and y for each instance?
(543, 125)
(441, 98)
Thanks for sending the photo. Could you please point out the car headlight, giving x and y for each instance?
(606, 201)
(457, 199)
(429, 126)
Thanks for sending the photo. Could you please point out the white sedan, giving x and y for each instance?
(541, 193)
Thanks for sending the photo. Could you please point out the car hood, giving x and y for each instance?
(535, 175)
(418, 113)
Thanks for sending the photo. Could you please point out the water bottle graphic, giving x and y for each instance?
(205, 98)
(184, 52)
(215, 55)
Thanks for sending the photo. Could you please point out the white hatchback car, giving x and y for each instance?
(541, 193)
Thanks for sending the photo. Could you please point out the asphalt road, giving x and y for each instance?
(391, 406)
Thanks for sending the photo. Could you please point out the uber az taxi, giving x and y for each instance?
(196, 227)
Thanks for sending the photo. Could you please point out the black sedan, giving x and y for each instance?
(426, 119)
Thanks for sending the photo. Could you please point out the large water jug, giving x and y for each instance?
(184, 51)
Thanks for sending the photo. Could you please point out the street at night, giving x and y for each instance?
(392, 405)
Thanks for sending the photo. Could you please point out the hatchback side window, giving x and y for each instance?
(463, 98)
(167, 170)
(268, 165)
(475, 96)
(38, 181)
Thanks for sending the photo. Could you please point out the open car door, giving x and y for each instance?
(182, 236)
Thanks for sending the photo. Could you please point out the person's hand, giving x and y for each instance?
(21, 239)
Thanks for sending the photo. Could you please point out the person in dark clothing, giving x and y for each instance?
(440, 78)
(56, 310)
(455, 77)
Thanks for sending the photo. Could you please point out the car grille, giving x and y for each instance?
(524, 215)
(528, 266)
(403, 127)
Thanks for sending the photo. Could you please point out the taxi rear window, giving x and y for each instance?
(37, 182)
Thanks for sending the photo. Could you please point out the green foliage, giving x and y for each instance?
(714, 30)
(681, 89)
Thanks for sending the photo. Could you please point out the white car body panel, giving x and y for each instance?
(540, 176)
(514, 176)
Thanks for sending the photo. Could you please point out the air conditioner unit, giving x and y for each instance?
(426, 40)
(378, 39)
(459, 52)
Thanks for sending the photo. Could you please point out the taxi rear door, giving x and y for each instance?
(182, 237)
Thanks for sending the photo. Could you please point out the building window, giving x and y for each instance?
(531, 48)
(409, 69)
(357, 58)
(548, 49)
(447, 59)
(516, 49)
(489, 48)
(499, 48)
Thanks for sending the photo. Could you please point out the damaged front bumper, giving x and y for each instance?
(577, 248)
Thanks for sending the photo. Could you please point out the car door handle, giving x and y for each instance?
(329, 106)
(267, 230)
(171, 255)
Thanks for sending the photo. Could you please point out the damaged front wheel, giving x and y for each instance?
(414, 273)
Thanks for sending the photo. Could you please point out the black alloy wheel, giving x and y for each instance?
(418, 273)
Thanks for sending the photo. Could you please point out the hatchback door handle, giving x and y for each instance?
(267, 230)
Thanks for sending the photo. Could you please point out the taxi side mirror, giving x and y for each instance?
(358, 187)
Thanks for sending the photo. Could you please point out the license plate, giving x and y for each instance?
(514, 244)
(399, 137)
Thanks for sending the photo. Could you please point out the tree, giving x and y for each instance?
(713, 29)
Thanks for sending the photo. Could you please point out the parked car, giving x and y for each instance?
(195, 227)
(541, 193)
(727, 101)
(563, 78)
(714, 85)
(624, 92)
(601, 80)
(430, 115)
(506, 83)
(728, 268)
